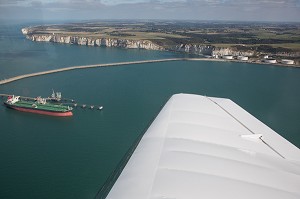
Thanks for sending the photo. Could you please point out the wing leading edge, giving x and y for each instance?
(204, 147)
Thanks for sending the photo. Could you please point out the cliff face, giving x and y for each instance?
(231, 51)
(123, 43)
(210, 50)
(127, 43)
(108, 42)
(194, 49)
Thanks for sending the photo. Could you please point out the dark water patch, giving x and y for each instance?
(18, 55)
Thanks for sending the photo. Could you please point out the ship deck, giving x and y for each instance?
(46, 107)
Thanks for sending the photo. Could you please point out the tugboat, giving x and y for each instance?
(40, 106)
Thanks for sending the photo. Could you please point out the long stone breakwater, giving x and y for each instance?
(12, 79)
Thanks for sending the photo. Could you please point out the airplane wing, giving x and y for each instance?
(205, 147)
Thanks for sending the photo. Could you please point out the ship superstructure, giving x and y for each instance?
(55, 96)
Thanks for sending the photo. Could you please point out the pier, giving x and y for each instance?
(12, 79)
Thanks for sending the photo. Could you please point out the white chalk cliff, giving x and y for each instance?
(128, 43)
(108, 42)
(231, 51)
(194, 49)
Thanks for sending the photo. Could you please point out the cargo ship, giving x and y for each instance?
(39, 106)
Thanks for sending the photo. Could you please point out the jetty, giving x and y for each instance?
(12, 79)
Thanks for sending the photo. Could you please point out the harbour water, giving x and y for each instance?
(49, 157)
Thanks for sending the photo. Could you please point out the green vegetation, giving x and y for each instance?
(262, 37)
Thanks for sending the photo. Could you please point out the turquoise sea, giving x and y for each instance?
(49, 157)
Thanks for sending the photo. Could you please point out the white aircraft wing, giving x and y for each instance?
(204, 147)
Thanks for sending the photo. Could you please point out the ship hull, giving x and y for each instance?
(38, 111)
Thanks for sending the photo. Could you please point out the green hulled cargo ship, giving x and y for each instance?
(40, 106)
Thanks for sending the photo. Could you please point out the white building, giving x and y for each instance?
(243, 58)
(227, 57)
(270, 61)
(287, 61)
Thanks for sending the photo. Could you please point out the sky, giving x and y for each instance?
(233, 10)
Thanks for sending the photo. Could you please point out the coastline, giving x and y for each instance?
(158, 37)
(239, 61)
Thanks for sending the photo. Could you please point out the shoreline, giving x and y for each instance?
(246, 62)
(19, 77)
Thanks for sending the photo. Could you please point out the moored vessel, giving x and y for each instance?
(40, 106)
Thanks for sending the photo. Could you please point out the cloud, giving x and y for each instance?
(4, 3)
(284, 10)
(207, 3)
(117, 2)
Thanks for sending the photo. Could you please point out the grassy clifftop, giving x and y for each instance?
(273, 38)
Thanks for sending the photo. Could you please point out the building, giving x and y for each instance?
(266, 56)
(227, 57)
(270, 61)
(242, 58)
(287, 61)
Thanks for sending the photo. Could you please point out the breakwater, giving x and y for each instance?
(12, 79)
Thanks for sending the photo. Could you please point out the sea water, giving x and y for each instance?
(50, 157)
